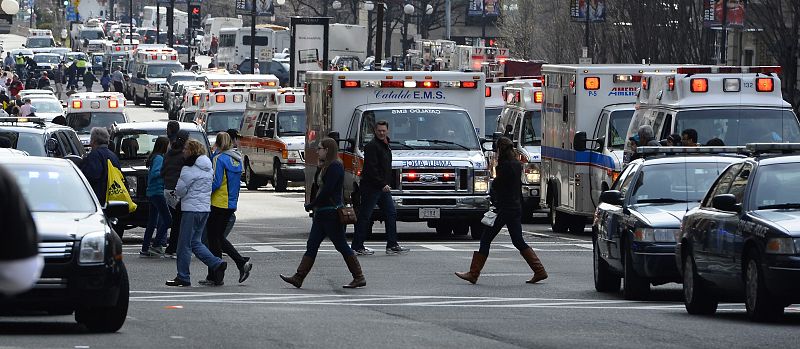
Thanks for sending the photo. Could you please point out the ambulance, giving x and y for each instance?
(40, 40)
(191, 104)
(440, 172)
(151, 69)
(223, 106)
(580, 99)
(736, 105)
(87, 110)
(521, 121)
(273, 138)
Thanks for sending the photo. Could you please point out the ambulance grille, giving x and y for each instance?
(431, 179)
(303, 155)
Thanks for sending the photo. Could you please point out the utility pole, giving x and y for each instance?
(130, 22)
(170, 23)
(379, 38)
(483, 22)
(723, 55)
(447, 19)
(158, 21)
(252, 37)
(586, 30)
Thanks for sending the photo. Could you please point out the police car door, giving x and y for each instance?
(728, 237)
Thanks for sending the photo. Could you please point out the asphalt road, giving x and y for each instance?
(412, 300)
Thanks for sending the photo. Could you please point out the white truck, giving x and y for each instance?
(577, 100)
(234, 47)
(440, 172)
(347, 40)
(212, 26)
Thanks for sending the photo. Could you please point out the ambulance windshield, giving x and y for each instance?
(490, 124)
(740, 126)
(162, 70)
(223, 120)
(83, 123)
(618, 127)
(291, 123)
(532, 128)
(39, 42)
(423, 128)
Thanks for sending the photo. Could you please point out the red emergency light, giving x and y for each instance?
(289, 99)
(488, 92)
(671, 84)
(412, 176)
(267, 83)
(392, 84)
(538, 97)
(195, 100)
(469, 84)
(591, 83)
(765, 70)
(220, 98)
(699, 85)
(428, 84)
(113, 103)
(765, 85)
(351, 83)
(77, 104)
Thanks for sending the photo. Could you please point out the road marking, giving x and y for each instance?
(438, 247)
(265, 248)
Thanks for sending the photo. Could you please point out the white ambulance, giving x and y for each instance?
(87, 110)
(273, 138)
(249, 81)
(440, 172)
(521, 121)
(220, 109)
(40, 40)
(191, 104)
(580, 99)
(736, 105)
(151, 68)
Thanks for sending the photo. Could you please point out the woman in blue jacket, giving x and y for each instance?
(329, 180)
(224, 198)
(159, 215)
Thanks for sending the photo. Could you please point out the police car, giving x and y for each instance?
(87, 110)
(273, 138)
(743, 241)
(40, 138)
(636, 222)
(133, 143)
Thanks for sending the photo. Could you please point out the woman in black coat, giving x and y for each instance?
(506, 196)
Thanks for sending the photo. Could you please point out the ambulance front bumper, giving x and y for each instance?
(411, 208)
(294, 172)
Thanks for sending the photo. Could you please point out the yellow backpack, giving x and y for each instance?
(116, 190)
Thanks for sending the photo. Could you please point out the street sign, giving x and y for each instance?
(585, 60)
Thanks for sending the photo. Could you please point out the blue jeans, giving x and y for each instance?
(160, 217)
(511, 219)
(326, 223)
(369, 198)
(192, 225)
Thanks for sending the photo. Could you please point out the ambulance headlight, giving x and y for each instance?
(532, 174)
(481, 182)
(132, 182)
(293, 154)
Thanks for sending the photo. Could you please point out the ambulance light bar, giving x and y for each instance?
(729, 70)
(13, 120)
(690, 150)
(220, 99)
(408, 84)
(758, 148)
(765, 85)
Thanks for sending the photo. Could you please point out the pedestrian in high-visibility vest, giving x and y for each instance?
(81, 64)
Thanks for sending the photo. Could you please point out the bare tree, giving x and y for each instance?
(517, 29)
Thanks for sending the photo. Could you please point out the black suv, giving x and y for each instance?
(83, 268)
(40, 138)
(133, 143)
(743, 242)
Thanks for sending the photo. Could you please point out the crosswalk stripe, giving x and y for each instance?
(438, 247)
(265, 248)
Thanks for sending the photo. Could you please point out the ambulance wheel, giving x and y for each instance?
(251, 180)
(558, 220)
(147, 100)
(279, 181)
(476, 230)
(443, 229)
(461, 228)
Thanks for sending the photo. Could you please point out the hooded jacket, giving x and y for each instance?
(194, 184)
(227, 179)
(155, 183)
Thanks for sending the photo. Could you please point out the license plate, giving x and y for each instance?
(429, 213)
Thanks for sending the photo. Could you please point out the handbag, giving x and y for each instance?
(347, 215)
(489, 217)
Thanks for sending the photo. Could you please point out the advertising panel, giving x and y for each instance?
(309, 47)
(475, 8)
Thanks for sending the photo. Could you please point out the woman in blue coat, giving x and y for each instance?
(159, 215)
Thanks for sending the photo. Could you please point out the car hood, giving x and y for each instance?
(49, 116)
(788, 220)
(60, 226)
(294, 142)
(662, 215)
(439, 158)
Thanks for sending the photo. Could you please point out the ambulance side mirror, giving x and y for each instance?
(579, 141)
(601, 143)
(487, 144)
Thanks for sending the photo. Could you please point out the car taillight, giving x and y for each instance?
(469, 84)
(290, 99)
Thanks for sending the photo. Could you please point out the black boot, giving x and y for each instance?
(302, 270)
(355, 269)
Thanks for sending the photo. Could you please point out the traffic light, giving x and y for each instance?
(194, 16)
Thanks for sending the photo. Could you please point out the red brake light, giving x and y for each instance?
(290, 99)
(591, 83)
(765, 85)
(428, 84)
(645, 83)
(154, 57)
(392, 83)
(469, 84)
(699, 85)
(351, 83)
(113, 103)
(488, 91)
(538, 97)
(195, 100)
(77, 104)
(671, 84)
(220, 98)
(174, 58)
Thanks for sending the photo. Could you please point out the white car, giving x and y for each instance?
(47, 108)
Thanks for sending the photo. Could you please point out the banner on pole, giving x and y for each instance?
(594, 9)
(475, 8)
(712, 13)
(264, 8)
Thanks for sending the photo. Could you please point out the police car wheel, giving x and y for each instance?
(604, 278)
(696, 298)
(759, 304)
(108, 319)
(635, 287)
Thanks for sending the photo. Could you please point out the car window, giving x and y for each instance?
(626, 172)
(27, 142)
(602, 123)
(675, 182)
(626, 182)
(49, 188)
(739, 185)
(722, 184)
(777, 184)
(65, 143)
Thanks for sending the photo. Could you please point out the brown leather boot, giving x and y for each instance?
(355, 269)
(539, 273)
(478, 260)
(302, 270)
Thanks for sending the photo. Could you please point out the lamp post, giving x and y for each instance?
(369, 6)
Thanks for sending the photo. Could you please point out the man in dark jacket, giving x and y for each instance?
(375, 188)
(171, 171)
(95, 164)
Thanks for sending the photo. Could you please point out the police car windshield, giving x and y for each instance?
(291, 123)
(46, 59)
(223, 121)
(740, 126)
(675, 182)
(48, 188)
(490, 122)
(162, 70)
(39, 42)
(777, 187)
(138, 144)
(618, 127)
(532, 128)
(30, 142)
(83, 123)
(46, 105)
(423, 128)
